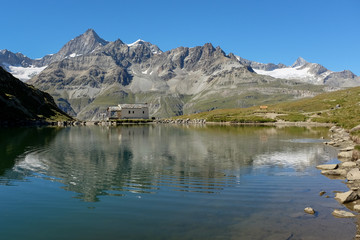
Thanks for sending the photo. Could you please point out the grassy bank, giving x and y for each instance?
(340, 107)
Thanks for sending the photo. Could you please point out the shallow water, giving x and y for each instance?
(167, 182)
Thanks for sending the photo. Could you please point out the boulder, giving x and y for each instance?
(342, 214)
(353, 174)
(357, 208)
(348, 165)
(354, 129)
(327, 166)
(335, 172)
(309, 210)
(349, 148)
(346, 197)
(347, 154)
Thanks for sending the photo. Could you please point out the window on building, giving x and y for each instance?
(129, 112)
(143, 112)
(133, 112)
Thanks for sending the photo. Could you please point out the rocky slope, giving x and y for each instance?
(21, 102)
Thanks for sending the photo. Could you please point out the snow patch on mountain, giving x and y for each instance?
(154, 49)
(24, 73)
(286, 73)
(135, 43)
(296, 73)
(74, 55)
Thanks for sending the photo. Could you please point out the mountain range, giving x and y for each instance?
(89, 74)
(304, 71)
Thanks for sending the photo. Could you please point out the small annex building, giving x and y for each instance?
(128, 111)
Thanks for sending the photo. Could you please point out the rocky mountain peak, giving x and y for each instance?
(3, 51)
(153, 48)
(299, 62)
(347, 74)
(83, 44)
(13, 59)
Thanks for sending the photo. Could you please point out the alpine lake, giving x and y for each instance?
(168, 182)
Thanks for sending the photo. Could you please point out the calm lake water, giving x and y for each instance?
(167, 182)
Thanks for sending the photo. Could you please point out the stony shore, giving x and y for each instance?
(348, 170)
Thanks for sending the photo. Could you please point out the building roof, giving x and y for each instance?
(133, 106)
(127, 106)
(113, 108)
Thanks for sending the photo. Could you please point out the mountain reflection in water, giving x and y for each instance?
(97, 161)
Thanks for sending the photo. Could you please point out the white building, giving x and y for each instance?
(129, 111)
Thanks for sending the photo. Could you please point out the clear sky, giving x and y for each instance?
(321, 31)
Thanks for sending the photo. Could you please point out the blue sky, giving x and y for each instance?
(326, 32)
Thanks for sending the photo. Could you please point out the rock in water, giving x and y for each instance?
(322, 193)
(309, 210)
(327, 166)
(336, 172)
(342, 214)
(346, 197)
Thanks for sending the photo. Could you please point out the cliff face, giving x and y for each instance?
(19, 101)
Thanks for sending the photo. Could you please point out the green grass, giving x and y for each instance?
(340, 107)
(293, 117)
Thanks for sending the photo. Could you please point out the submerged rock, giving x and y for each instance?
(322, 193)
(342, 214)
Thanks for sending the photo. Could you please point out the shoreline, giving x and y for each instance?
(285, 124)
(40, 123)
(347, 170)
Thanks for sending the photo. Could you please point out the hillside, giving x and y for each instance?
(340, 107)
(22, 102)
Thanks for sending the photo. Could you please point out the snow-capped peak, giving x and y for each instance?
(136, 42)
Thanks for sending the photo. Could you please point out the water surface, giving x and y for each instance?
(167, 182)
